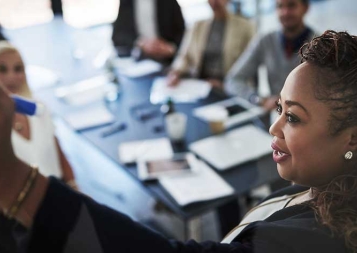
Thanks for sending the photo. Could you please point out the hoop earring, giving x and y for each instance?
(348, 155)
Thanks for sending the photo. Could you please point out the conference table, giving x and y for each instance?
(51, 45)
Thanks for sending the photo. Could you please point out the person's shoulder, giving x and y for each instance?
(268, 39)
(288, 234)
(201, 23)
(313, 33)
(290, 190)
(271, 35)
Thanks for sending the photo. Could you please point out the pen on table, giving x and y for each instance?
(114, 129)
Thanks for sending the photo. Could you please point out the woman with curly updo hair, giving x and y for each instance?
(335, 55)
(314, 145)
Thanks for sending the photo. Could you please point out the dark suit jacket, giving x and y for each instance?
(170, 24)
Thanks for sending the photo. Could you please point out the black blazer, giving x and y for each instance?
(170, 24)
(293, 229)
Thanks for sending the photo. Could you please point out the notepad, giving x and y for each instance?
(87, 91)
(235, 147)
(89, 117)
(152, 149)
(141, 68)
(201, 185)
(187, 91)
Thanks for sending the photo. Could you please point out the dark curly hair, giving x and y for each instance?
(335, 55)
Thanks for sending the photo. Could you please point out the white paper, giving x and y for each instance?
(234, 147)
(39, 77)
(133, 69)
(87, 91)
(251, 112)
(187, 91)
(89, 117)
(154, 149)
(203, 184)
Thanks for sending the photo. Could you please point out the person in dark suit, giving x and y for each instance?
(148, 29)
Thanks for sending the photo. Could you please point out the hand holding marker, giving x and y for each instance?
(27, 107)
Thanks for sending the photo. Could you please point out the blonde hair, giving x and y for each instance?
(6, 47)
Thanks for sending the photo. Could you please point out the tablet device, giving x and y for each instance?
(153, 169)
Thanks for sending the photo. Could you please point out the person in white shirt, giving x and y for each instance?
(32, 137)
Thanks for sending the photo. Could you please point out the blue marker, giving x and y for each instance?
(26, 106)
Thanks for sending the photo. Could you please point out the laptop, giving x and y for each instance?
(232, 148)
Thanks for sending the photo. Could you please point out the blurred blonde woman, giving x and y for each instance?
(32, 137)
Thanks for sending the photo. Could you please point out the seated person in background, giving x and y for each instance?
(148, 29)
(32, 137)
(314, 145)
(276, 50)
(211, 47)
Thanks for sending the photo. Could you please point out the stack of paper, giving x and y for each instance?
(201, 185)
(187, 91)
(89, 117)
(154, 149)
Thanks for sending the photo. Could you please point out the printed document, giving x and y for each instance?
(201, 185)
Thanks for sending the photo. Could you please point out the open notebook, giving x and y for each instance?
(235, 147)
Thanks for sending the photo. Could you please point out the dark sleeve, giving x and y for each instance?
(7, 242)
(60, 211)
(64, 220)
(124, 29)
(179, 24)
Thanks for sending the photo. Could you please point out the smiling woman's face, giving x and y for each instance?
(12, 71)
(304, 149)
